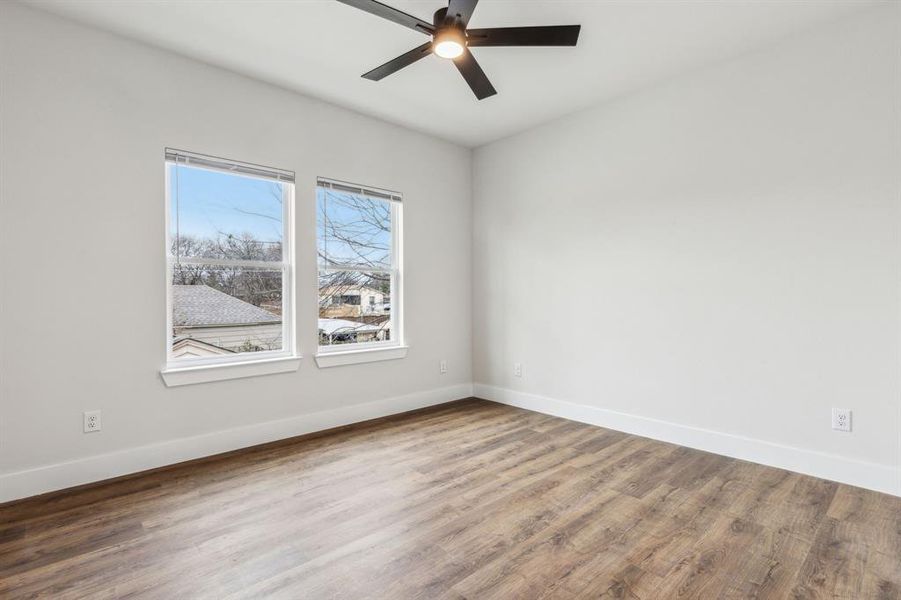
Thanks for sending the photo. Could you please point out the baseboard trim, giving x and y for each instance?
(873, 476)
(49, 478)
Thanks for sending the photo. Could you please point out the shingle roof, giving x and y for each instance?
(199, 305)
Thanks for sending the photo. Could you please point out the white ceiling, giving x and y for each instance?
(321, 47)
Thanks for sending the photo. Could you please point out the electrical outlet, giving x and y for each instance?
(517, 369)
(92, 421)
(841, 419)
(442, 366)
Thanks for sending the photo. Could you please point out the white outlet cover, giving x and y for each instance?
(517, 369)
(442, 366)
(92, 421)
(841, 419)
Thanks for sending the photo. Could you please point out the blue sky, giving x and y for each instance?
(204, 203)
(350, 219)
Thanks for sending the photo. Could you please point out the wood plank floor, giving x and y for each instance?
(464, 500)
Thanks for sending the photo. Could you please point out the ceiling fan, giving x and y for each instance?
(451, 39)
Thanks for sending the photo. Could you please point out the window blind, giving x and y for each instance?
(216, 163)
(343, 186)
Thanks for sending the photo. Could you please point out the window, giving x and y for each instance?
(230, 257)
(358, 235)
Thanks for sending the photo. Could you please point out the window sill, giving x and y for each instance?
(355, 357)
(204, 373)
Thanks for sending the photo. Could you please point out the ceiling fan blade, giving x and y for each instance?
(474, 75)
(461, 9)
(392, 14)
(404, 60)
(553, 35)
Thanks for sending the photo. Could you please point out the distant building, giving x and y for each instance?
(207, 322)
(353, 302)
(183, 347)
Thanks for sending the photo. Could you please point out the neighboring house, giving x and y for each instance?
(191, 348)
(341, 331)
(207, 322)
(353, 302)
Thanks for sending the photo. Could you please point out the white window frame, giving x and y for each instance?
(352, 353)
(244, 364)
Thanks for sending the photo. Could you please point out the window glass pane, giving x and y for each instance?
(354, 307)
(224, 216)
(222, 311)
(353, 230)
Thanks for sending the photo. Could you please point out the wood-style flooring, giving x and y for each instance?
(464, 500)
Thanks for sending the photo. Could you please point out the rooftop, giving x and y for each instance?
(200, 305)
(331, 326)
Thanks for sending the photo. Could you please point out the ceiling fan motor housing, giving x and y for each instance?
(448, 29)
(443, 22)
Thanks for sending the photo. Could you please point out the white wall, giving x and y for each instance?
(84, 119)
(714, 260)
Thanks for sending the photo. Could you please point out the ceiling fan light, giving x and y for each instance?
(449, 43)
(448, 49)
